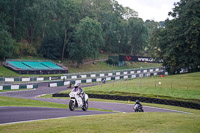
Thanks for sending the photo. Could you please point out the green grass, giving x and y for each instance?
(14, 90)
(113, 123)
(102, 66)
(185, 87)
(8, 101)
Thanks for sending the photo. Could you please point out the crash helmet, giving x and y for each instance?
(76, 85)
(137, 101)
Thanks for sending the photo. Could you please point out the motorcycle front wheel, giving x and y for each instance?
(85, 106)
(71, 105)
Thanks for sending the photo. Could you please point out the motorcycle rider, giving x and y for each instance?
(140, 107)
(138, 102)
(78, 89)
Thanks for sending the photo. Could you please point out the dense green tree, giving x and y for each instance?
(52, 47)
(88, 40)
(44, 25)
(179, 43)
(7, 45)
(137, 35)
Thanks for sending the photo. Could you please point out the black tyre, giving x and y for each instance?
(85, 106)
(71, 105)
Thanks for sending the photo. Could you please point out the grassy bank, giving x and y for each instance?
(9, 101)
(88, 67)
(113, 123)
(184, 87)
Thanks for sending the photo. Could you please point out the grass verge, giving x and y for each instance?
(89, 67)
(113, 123)
(183, 87)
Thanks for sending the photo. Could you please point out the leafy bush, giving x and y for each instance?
(27, 49)
(7, 45)
(111, 61)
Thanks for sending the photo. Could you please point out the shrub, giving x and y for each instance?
(111, 61)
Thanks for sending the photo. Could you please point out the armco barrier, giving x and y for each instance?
(142, 99)
(83, 75)
(16, 87)
(108, 78)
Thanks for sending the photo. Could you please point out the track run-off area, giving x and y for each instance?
(10, 115)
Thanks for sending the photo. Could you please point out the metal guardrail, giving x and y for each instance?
(69, 76)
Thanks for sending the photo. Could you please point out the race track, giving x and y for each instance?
(21, 114)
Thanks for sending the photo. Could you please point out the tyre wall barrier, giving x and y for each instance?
(107, 78)
(16, 87)
(84, 75)
(142, 99)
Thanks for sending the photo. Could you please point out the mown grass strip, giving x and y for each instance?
(113, 123)
(9, 101)
(184, 87)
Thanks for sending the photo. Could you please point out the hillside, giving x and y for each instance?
(87, 66)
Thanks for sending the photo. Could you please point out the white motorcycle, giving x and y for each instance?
(138, 108)
(77, 102)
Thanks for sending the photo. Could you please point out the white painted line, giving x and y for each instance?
(53, 85)
(101, 75)
(83, 76)
(40, 95)
(67, 83)
(108, 78)
(63, 77)
(117, 78)
(145, 71)
(40, 79)
(29, 86)
(88, 80)
(74, 77)
(110, 74)
(93, 75)
(132, 72)
(168, 110)
(125, 77)
(133, 76)
(9, 79)
(78, 81)
(117, 73)
(25, 79)
(14, 87)
(138, 71)
(1, 87)
(99, 79)
(151, 107)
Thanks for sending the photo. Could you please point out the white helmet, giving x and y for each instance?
(76, 85)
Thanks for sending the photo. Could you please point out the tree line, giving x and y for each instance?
(74, 29)
(78, 29)
(178, 44)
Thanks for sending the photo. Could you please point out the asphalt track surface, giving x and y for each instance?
(22, 114)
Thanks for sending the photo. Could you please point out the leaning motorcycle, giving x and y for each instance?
(77, 102)
(138, 108)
